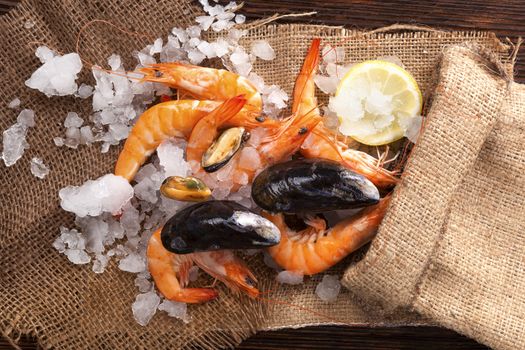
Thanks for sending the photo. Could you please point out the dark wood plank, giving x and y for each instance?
(505, 18)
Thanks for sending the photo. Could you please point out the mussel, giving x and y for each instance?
(224, 148)
(312, 185)
(216, 225)
(187, 189)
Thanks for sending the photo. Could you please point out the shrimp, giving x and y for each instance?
(164, 120)
(167, 268)
(204, 83)
(318, 144)
(315, 249)
(164, 267)
(283, 139)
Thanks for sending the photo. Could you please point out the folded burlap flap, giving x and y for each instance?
(452, 245)
(69, 307)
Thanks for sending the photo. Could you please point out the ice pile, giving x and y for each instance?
(38, 168)
(14, 138)
(107, 194)
(57, 75)
(289, 277)
(328, 289)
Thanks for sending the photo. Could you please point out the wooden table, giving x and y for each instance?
(505, 18)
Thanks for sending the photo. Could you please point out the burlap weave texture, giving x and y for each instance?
(68, 306)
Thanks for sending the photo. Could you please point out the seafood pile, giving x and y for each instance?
(217, 173)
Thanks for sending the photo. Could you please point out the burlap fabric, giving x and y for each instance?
(68, 306)
(452, 245)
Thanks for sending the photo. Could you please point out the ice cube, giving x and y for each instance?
(130, 220)
(108, 193)
(59, 142)
(156, 47)
(175, 309)
(44, 54)
(289, 277)
(145, 59)
(73, 120)
(77, 256)
(328, 289)
(26, 118)
(86, 135)
(57, 75)
(119, 131)
(378, 103)
(204, 21)
(194, 31)
(263, 50)
(100, 263)
(181, 34)
(249, 159)
(239, 56)
(196, 56)
(277, 97)
(95, 232)
(207, 49)
(14, 143)
(132, 263)
(411, 127)
(328, 85)
(14, 103)
(171, 158)
(144, 285)
(221, 25)
(38, 168)
(144, 307)
(220, 192)
(84, 91)
(333, 54)
(240, 19)
(146, 190)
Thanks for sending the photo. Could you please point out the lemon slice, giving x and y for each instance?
(376, 102)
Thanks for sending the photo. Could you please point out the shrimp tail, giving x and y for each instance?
(304, 86)
(228, 109)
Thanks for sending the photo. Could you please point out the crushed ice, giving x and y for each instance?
(14, 138)
(328, 289)
(38, 168)
(289, 277)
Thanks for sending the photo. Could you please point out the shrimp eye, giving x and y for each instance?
(158, 74)
(303, 130)
(249, 281)
(260, 119)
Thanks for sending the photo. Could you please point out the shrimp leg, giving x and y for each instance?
(316, 249)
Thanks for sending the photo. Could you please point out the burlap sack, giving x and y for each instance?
(69, 307)
(452, 245)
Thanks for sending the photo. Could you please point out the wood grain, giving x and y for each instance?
(505, 18)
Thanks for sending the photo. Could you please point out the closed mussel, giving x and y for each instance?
(216, 225)
(312, 185)
(224, 148)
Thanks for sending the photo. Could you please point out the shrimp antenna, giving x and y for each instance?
(289, 122)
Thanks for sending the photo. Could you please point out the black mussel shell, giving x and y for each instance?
(224, 148)
(312, 185)
(216, 225)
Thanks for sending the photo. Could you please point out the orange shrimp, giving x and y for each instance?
(167, 268)
(283, 140)
(169, 119)
(318, 143)
(204, 83)
(315, 249)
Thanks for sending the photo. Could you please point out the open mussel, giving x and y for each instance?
(224, 148)
(187, 189)
(216, 225)
(312, 185)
